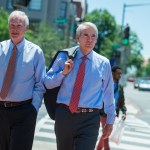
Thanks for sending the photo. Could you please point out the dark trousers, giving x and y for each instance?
(78, 131)
(17, 126)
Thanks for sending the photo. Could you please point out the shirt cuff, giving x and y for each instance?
(110, 119)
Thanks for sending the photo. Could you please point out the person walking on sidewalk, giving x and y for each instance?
(120, 105)
(22, 70)
(86, 81)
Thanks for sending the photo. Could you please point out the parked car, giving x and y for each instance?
(137, 82)
(144, 85)
(131, 79)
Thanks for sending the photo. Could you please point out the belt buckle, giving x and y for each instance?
(83, 110)
(91, 110)
(5, 104)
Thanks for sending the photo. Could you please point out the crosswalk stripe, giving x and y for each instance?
(50, 127)
(46, 135)
(135, 140)
(136, 134)
(123, 146)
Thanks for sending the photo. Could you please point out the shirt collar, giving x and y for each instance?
(80, 54)
(19, 45)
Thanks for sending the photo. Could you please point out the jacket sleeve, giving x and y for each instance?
(121, 101)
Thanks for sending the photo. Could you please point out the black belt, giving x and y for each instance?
(14, 104)
(82, 110)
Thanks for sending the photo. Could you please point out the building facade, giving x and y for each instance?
(61, 14)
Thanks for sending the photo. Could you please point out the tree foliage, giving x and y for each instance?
(136, 59)
(107, 27)
(110, 40)
(3, 25)
(147, 69)
(47, 38)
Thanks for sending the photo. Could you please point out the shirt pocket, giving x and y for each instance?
(25, 71)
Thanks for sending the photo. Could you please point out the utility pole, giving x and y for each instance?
(124, 10)
(125, 48)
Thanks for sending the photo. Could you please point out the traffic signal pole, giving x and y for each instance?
(124, 10)
(125, 53)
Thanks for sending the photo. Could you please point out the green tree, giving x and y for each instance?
(108, 30)
(147, 69)
(47, 38)
(3, 25)
(136, 59)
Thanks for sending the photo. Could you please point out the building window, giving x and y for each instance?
(9, 5)
(63, 9)
(35, 4)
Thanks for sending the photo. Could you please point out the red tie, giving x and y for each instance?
(77, 86)
(9, 74)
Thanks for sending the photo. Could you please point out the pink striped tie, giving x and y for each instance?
(9, 74)
(77, 86)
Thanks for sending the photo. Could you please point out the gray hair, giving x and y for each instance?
(19, 13)
(82, 25)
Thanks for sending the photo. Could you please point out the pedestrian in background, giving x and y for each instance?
(86, 81)
(22, 70)
(120, 105)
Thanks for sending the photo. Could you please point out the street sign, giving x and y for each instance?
(60, 20)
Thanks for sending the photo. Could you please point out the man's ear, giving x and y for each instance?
(27, 28)
(77, 38)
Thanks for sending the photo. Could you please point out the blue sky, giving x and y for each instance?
(138, 17)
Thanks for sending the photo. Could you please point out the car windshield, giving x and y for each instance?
(145, 81)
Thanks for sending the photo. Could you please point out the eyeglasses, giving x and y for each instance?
(17, 27)
(87, 37)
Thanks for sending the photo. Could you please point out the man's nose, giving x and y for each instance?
(90, 38)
